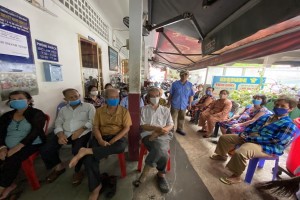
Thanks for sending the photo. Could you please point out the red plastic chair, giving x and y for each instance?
(28, 166)
(122, 163)
(143, 151)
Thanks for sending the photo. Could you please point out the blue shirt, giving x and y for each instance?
(124, 102)
(17, 131)
(274, 137)
(180, 94)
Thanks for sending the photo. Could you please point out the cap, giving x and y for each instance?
(183, 72)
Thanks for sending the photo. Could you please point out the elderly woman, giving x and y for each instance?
(21, 135)
(238, 123)
(94, 97)
(217, 111)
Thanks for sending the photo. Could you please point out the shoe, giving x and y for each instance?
(77, 178)
(54, 175)
(181, 132)
(163, 184)
(218, 157)
(112, 185)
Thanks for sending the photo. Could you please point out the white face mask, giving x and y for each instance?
(154, 100)
(94, 93)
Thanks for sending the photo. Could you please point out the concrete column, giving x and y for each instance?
(135, 63)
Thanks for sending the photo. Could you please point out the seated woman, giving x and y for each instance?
(218, 111)
(21, 135)
(94, 97)
(202, 104)
(238, 123)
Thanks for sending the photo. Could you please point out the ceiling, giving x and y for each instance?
(211, 32)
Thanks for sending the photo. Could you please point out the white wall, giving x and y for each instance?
(63, 32)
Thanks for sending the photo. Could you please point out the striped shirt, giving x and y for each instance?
(273, 135)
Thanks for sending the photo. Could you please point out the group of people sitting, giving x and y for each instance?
(93, 135)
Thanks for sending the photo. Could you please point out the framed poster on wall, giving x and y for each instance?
(113, 59)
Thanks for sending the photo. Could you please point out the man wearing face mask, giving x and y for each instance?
(73, 125)
(156, 122)
(266, 137)
(112, 122)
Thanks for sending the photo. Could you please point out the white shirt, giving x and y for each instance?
(160, 117)
(69, 120)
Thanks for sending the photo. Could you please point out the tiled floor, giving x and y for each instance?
(193, 176)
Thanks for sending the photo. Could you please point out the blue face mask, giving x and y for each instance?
(256, 101)
(112, 102)
(208, 93)
(280, 111)
(18, 104)
(75, 103)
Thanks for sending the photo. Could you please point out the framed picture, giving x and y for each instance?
(113, 59)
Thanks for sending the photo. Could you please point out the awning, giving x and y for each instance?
(205, 33)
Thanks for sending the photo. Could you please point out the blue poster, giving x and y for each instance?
(232, 83)
(17, 68)
(46, 51)
(15, 38)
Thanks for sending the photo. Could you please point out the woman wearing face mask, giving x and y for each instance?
(202, 104)
(238, 123)
(218, 111)
(21, 135)
(94, 97)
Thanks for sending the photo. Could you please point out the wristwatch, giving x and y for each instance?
(85, 128)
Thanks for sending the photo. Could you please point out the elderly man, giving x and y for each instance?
(181, 98)
(217, 111)
(156, 122)
(112, 122)
(73, 126)
(266, 137)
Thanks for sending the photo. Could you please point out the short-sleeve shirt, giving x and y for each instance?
(112, 124)
(180, 94)
(160, 117)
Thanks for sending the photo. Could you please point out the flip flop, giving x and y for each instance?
(202, 131)
(226, 181)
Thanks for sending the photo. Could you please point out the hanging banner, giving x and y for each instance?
(232, 83)
(17, 69)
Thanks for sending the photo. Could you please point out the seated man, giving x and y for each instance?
(217, 111)
(156, 122)
(202, 104)
(266, 137)
(124, 101)
(73, 125)
(112, 122)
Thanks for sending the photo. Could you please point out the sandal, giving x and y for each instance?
(163, 184)
(202, 131)
(218, 157)
(136, 183)
(226, 181)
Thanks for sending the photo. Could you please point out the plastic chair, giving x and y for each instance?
(260, 161)
(122, 164)
(28, 166)
(143, 151)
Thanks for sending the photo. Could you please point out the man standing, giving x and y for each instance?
(112, 122)
(156, 122)
(73, 126)
(181, 98)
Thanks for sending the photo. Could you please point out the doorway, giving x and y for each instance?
(91, 65)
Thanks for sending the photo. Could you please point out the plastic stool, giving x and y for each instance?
(28, 168)
(122, 163)
(252, 167)
(143, 151)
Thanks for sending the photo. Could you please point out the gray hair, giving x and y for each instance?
(109, 91)
(153, 89)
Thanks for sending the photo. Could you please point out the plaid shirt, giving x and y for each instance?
(273, 137)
